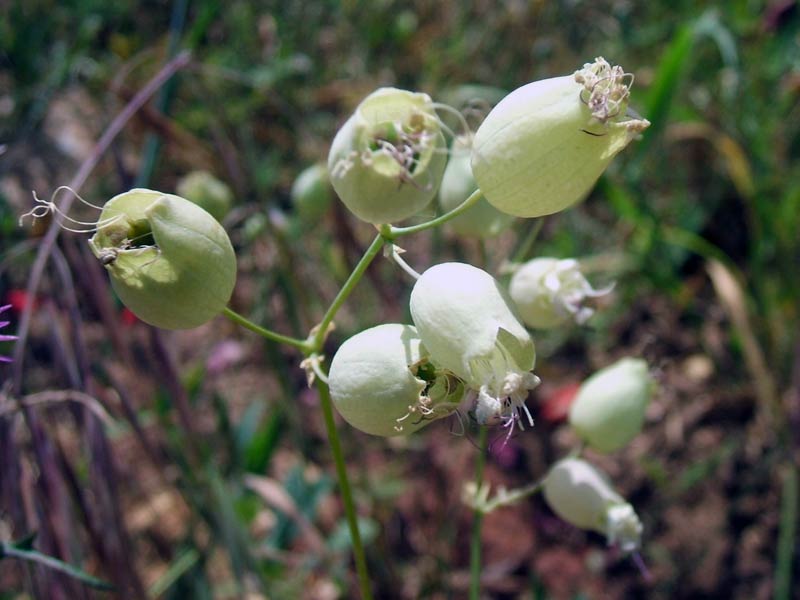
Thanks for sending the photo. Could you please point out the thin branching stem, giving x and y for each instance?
(264, 332)
(477, 521)
(313, 346)
(317, 338)
(344, 490)
(508, 497)
(524, 248)
(396, 232)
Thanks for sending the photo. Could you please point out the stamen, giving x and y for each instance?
(45, 207)
(606, 89)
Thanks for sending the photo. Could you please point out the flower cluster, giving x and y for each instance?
(535, 153)
(539, 151)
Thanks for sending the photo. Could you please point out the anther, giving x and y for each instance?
(45, 207)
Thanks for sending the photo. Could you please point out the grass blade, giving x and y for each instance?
(787, 535)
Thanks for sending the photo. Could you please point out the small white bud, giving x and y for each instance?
(549, 292)
(208, 192)
(582, 496)
(482, 220)
(608, 410)
(311, 193)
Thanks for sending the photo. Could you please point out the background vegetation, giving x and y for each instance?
(194, 464)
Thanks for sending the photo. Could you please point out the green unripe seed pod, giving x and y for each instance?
(171, 263)
(387, 160)
(609, 408)
(382, 383)
(467, 323)
(312, 193)
(543, 147)
(582, 496)
(548, 292)
(208, 192)
(482, 220)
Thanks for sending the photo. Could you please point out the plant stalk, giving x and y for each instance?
(477, 521)
(473, 199)
(317, 337)
(265, 333)
(344, 489)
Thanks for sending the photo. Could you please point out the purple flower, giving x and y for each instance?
(5, 338)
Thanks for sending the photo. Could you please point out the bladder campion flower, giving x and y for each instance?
(582, 496)
(608, 410)
(387, 160)
(208, 192)
(311, 193)
(542, 148)
(549, 292)
(382, 382)
(466, 322)
(171, 263)
(482, 220)
(5, 338)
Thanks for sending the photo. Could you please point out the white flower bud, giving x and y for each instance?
(208, 192)
(548, 292)
(466, 322)
(608, 410)
(582, 496)
(311, 193)
(382, 383)
(387, 160)
(543, 147)
(481, 220)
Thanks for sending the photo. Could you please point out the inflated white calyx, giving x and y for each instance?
(481, 220)
(311, 193)
(382, 383)
(543, 147)
(609, 408)
(549, 292)
(466, 322)
(208, 192)
(387, 160)
(582, 496)
(170, 262)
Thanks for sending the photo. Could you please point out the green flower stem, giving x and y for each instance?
(395, 232)
(317, 337)
(525, 245)
(387, 234)
(509, 497)
(477, 520)
(266, 333)
(344, 489)
(313, 344)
